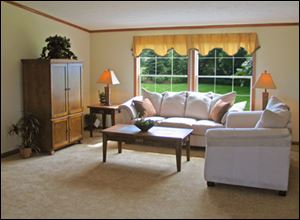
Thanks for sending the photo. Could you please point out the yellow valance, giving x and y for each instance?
(204, 43)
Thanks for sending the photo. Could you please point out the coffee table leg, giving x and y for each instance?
(188, 149)
(178, 156)
(104, 147)
(119, 147)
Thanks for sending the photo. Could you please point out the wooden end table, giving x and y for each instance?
(104, 110)
(176, 137)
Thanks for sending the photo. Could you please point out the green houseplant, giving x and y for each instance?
(58, 47)
(144, 124)
(28, 128)
(102, 97)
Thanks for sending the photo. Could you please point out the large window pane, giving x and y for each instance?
(224, 66)
(243, 66)
(164, 66)
(179, 84)
(180, 66)
(148, 83)
(223, 86)
(206, 67)
(147, 66)
(243, 98)
(242, 86)
(163, 84)
(206, 84)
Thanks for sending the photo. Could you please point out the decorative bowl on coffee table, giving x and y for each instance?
(144, 125)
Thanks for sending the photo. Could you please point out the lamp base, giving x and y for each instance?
(265, 98)
(107, 95)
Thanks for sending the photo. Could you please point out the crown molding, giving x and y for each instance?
(196, 27)
(46, 15)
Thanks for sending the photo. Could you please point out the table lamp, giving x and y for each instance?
(265, 81)
(108, 77)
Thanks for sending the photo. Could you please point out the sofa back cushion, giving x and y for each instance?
(155, 98)
(197, 105)
(173, 104)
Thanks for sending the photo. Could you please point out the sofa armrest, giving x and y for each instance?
(128, 110)
(246, 137)
(246, 119)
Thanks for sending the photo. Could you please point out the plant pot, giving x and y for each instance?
(25, 152)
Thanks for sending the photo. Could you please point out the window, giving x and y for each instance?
(217, 72)
(221, 73)
(163, 73)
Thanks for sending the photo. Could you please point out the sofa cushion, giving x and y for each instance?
(197, 105)
(228, 97)
(178, 122)
(173, 104)
(155, 98)
(219, 109)
(144, 108)
(200, 127)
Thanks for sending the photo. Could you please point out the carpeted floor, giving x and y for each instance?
(142, 182)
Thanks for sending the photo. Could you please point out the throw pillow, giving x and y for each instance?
(270, 119)
(219, 109)
(237, 107)
(144, 108)
(275, 103)
(154, 97)
(228, 97)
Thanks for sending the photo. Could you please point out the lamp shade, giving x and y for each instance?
(265, 81)
(108, 77)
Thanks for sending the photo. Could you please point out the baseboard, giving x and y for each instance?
(9, 153)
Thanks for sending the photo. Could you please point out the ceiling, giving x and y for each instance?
(102, 15)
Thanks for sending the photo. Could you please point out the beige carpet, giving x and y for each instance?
(139, 183)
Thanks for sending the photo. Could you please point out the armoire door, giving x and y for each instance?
(59, 90)
(60, 132)
(75, 87)
(75, 127)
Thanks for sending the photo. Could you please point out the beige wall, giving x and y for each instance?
(279, 54)
(23, 35)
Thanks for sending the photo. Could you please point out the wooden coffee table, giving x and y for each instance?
(176, 137)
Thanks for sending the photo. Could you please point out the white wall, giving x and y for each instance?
(279, 54)
(23, 36)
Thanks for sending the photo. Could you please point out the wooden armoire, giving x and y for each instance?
(52, 91)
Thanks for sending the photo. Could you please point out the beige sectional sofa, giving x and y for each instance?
(182, 110)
